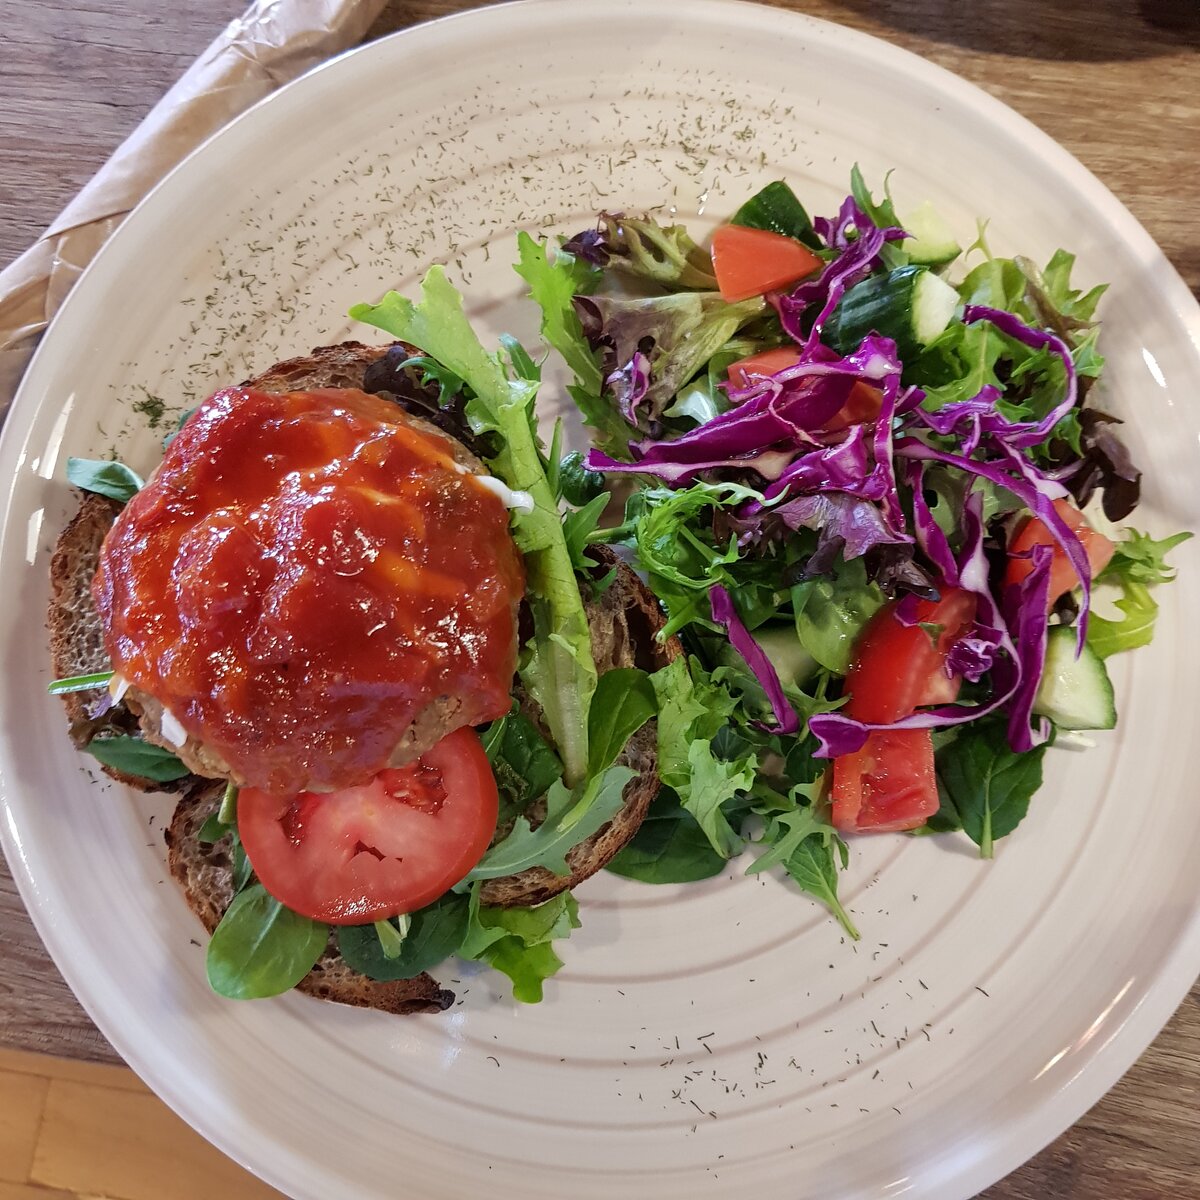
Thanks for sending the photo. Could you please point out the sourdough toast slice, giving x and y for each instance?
(624, 620)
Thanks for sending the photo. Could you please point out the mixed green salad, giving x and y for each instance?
(864, 478)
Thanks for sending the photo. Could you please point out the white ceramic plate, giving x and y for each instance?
(720, 1039)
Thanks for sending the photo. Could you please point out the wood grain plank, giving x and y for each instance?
(130, 1146)
(22, 1098)
(1120, 92)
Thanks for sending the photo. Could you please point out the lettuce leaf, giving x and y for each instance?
(519, 942)
(557, 666)
(554, 284)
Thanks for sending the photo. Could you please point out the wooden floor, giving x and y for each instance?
(76, 1130)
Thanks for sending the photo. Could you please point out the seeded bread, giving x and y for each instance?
(623, 619)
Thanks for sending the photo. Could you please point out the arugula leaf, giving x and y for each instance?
(882, 214)
(571, 817)
(261, 948)
(624, 701)
(522, 950)
(1142, 559)
(831, 612)
(783, 835)
(813, 867)
(112, 479)
(523, 762)
(435, 933)
(1136, 628)
(557, 666)
(671, 848)
(1138, 564)
(987, 783)
(137, 757)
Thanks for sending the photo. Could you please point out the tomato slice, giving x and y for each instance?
(1032, 532)
(886, 786)
(749, 262)
(862, 401)
(896, 666)
(746, 371)
(388, 847)
(889, 784)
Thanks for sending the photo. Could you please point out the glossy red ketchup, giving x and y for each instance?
(302, 576)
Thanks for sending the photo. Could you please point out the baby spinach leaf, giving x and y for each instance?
(434, 934)
(213, 830)
(137, 757)
(623, 703)
(107, 478)
(669, 850)
(523, 762)
(261, 948)
(831, 612)
(987, 783)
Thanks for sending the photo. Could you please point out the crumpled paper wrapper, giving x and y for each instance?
(272, 43)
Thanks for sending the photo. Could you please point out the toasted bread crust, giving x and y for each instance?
(203, 872)
(623, 621)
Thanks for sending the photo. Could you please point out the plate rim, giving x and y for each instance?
(1158, 997)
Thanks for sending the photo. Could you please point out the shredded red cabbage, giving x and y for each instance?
(629, 384)
(1034, 489)
(724, 613)
(782, 408)
(858, 258)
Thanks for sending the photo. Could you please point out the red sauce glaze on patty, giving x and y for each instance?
(302, 576)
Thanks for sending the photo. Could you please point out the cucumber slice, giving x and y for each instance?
(1075, 693)
(777, 210)
(931, 241)
(911, 305)
(780, 643)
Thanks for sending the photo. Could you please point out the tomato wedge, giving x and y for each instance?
(388, 847)
(746, 371)
(749, 262)
(1033, 532)
(886, 786)
(862, 401)
(862, 405)
(895, 666)
(889, 784)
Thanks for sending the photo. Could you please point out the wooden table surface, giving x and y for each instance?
(1116, 82)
